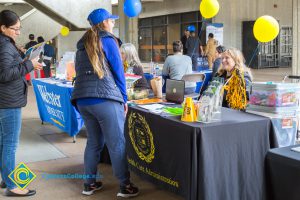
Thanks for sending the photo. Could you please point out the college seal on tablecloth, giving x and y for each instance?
(141, 137)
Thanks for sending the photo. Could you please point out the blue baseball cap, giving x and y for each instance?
(99, 15)
(191, 28)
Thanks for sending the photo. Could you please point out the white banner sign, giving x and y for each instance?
(217, 30)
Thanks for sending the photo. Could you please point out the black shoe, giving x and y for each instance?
(128, 191)
(89, 189)
(2, 184)
(12, 194)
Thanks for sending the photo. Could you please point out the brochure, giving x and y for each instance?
(35, 51)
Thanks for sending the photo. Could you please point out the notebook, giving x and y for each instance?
(175, 90)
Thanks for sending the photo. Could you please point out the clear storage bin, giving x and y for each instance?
(284, 126)
(274, 94)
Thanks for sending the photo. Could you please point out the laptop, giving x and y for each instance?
(175, 90)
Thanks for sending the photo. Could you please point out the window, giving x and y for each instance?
(159, 44)
(158, 21)
(174, 19)
(145, 22)
(156, 34)
(145, 44)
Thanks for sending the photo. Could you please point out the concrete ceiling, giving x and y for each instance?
(10, 2)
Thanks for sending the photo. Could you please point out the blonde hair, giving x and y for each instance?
(94, 50)
(131, 55)
(239, 60)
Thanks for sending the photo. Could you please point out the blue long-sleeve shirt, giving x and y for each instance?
(113, 56)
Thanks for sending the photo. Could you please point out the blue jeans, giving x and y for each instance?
(10, 128)
(105, 124)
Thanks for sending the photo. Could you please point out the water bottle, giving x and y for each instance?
(156, 70)
(152, 68)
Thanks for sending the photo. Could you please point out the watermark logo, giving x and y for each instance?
(71, 176)
(22, 176)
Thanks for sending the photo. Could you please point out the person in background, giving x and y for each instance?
(184, 39)
(48, 56)
(13, 89)
(193, 46)
(133, 65)
(210, 50)
(31, 43)
(178, 65)
(218, 59)
(100, 96)
(237, 78)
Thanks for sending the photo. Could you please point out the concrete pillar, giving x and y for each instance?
(133, 31)
(296, 37)
(123, 23)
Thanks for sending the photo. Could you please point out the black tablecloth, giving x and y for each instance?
(220, 160)
(231, 157)
(166, 151)
(283, 174)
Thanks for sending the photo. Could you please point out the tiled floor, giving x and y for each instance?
(60, 189)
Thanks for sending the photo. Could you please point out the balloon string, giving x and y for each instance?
(254, 53)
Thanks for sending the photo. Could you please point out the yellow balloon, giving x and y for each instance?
(209, 8)
(64, 31)
(265, 28)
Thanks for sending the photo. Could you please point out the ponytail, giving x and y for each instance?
(94, 50)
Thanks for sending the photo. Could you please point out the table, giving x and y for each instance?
(53, 101)
(283, 174)
(221, 160)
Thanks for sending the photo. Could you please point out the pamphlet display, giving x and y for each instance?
(210, 103)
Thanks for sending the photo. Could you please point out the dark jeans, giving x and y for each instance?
(195, 61)
(105, 124)
(10, 128)
(47, 70)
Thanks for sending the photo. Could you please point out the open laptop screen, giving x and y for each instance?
(175, 90)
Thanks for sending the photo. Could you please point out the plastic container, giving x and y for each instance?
(272, 110)
(284, 126)
(274, 94)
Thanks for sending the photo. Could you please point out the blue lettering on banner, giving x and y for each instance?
(53, 101)
(50, 98)
(57, 113)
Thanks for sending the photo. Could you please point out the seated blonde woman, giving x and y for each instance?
(237, 77)
(132, 65)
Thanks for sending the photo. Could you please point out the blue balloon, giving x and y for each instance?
(132, 8)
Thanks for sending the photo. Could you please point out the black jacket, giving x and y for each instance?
(87, 82)
(13, 86)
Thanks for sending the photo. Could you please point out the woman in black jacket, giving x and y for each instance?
(13, 89)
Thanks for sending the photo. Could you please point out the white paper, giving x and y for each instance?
(36, 51)
(297, 149)
(152, 107)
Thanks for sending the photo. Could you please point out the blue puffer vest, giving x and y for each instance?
(87, 83)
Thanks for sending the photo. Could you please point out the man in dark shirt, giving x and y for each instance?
(184, 39)
(31, 43)
(48, 56)
(193, 46)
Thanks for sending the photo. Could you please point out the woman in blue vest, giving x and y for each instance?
(100, 95)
